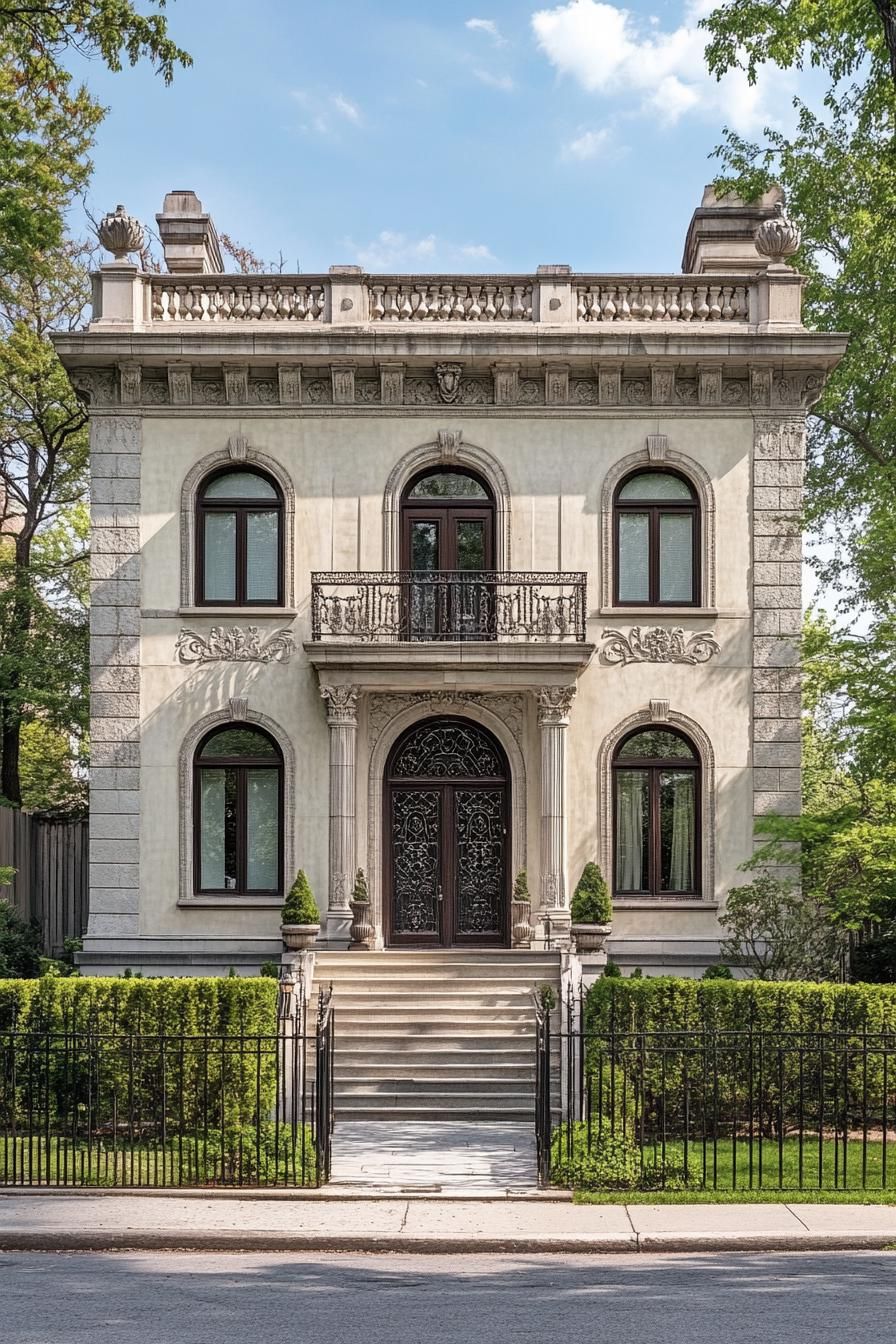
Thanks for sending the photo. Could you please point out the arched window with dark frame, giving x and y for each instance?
(238, 813)
(656, 804)
(657, 541)
(239, 540)
(448, 555)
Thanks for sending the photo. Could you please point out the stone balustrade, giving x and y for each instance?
(276, 299)
(435, 301)
(686, 300)
(242, 299)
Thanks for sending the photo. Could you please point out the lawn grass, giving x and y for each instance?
(187, 1161)
(738, 1172)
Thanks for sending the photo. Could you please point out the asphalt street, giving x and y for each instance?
(194, 1298)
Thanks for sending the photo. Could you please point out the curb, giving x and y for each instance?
(460, 1244)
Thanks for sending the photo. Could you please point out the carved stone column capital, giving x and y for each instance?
(555, 704)
(342, 705)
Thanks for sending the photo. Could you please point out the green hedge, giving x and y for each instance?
(155, 1058)
(776, 1071)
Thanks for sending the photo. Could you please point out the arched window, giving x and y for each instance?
(238, 813)
(239, 540)
(657, 526)
(448, 546)
(656, 793)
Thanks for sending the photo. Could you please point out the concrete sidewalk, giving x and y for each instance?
(104, 1222)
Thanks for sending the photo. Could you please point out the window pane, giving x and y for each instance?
(220, 557)
(240, 485)
(657, 744)
(634, 557)
(448, 485)
(238, 742)
(656, 485)
(217, 830)
(262, 556)
(632, 818)
(677, 829)
(263, 829)
(471, 544)
(425, 546)
(676, 557)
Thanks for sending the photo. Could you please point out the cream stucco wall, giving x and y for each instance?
(339, 466)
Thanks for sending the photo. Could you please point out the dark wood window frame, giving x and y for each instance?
(654, 767)
(241, 507)
(654, 509)
(242, 764)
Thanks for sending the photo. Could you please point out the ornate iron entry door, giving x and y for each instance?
(446, 816)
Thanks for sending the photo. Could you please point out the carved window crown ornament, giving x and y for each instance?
(657, 644)
(234, 645)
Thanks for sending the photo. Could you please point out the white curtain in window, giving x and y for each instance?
(262, 556)
(634, 557)
(680, 790)
(220, 557)
(211, 829)
(676, 558)
(631, 826)
(262, 830)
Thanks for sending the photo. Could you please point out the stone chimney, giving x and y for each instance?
(721, 233)
(188, 236)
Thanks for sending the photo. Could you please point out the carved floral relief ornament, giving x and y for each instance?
(656, 644)
(234, 646)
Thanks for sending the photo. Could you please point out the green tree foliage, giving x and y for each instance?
(47, 122)
(20, 944)
(776, 933)
(43, 485)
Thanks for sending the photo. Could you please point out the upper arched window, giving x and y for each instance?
(238, 811)
(656, 793)
(239, 540)
(657, 527)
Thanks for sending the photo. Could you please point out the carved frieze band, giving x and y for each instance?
(395, 384)
(234, 645)
(384, 707)
(657, 644)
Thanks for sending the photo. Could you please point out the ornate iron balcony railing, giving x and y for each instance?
(447, 605)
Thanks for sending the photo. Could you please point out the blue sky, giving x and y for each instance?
(416, 136)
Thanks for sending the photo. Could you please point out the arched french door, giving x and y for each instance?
(447, 811)
(448, 555)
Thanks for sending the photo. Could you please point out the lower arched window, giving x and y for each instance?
(238, 810)
(656, 795)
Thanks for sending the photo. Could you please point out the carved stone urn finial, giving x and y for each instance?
(120, 233)
(778, 237)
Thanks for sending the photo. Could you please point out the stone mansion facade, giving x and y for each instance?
(442, 577)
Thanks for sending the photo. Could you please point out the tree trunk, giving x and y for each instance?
(887, 11)
(16, 651)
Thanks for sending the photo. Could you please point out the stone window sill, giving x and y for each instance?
(658, 613)
(270, 613)
(663, 903)
(234, 902)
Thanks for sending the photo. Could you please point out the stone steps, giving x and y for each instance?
(429, 1036)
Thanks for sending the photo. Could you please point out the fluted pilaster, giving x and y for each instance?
(554, 705)
(342, 719)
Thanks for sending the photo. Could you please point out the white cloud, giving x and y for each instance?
(323, 108)
(502, 82)
(588, 145)
(489, 27)
(394, 251)
(611, 51)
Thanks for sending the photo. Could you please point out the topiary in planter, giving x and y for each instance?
(362, 931)
(520, 908)
(591, 910)
(300, 918)
(591, 902)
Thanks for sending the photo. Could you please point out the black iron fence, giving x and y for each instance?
(83, 1105)
(447, 605)
(721, 1110)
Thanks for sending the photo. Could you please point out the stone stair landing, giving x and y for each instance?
(435, 1036)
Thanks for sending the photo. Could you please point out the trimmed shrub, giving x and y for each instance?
(359, 890)
(20, 944)
(591, 902)
(521, 886)
(608, 1162)
(300, 906)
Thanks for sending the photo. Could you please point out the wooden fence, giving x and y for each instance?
(50, 885)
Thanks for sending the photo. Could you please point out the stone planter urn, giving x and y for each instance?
(361, 931)
(590, 937)
(520, 923)
(120, 233)
(299, 937)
